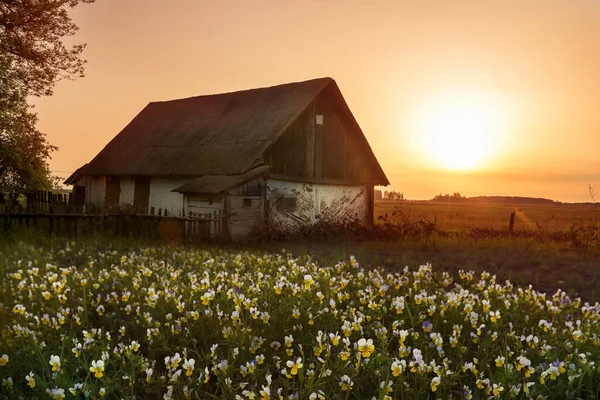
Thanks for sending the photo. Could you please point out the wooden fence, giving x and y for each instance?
(168, 229)
(38, 201)
(57, 214)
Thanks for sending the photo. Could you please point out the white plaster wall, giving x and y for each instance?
(161, 195)
(332, 203)
(96, 191)
(127, 186)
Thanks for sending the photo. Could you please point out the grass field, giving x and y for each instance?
(118, 319)
(548, 266)
(453, 217)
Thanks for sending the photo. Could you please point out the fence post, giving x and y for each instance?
(511, 224)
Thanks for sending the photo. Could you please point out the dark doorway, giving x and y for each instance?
(79, 196)
(113, 190)
(141, 194)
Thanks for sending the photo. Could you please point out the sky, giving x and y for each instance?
(476, 97)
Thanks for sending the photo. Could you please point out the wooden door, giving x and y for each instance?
(113, 191)
(141, 194)
(79, 198)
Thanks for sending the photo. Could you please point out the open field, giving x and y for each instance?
(121, 320)
(548, 266)
(457, 216)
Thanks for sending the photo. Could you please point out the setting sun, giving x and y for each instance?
(460, 133)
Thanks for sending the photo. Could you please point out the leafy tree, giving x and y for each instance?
(23, 149)
(33, 58)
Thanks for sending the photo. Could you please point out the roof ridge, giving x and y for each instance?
(281, 85)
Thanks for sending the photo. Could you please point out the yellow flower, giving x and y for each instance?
(265, 393)
(308, 281)
(528, 372)
(30, 380)
(3, 360)
(398, 367)
(500, 361)
(346, 383)
(188, 366)
(294, 365)
(365, 347)
(435, 382)
(335, 339)
(97, 368)
(55, 363)
(553, 372)
(56, 393)
(497, 389)
(494, 316)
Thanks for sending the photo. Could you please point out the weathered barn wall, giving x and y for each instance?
(95, 191)
(294, 204)
(322, 143)
(161, 196)
(245, 215)
(244, 209)
(126, 195)
(199, 204)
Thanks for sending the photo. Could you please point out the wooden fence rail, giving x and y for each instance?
(36, 201)
(193, 228)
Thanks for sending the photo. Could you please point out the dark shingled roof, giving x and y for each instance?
(213, 184)
(213, 134)
(219, 134)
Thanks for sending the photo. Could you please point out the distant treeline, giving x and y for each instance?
(458, 198)
(498, 200)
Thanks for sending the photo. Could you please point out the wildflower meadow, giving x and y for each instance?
(82, 321)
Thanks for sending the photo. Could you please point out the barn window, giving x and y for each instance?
(287, 204)
(319, 119)
(247, 202)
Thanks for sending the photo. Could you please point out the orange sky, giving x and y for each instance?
(535, 64)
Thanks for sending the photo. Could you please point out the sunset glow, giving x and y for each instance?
(483, 98)
(460, 134)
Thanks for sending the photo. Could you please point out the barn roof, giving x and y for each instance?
(219, 134)
(74, 176)
(213, 184)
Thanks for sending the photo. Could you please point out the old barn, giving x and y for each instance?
(282, 156)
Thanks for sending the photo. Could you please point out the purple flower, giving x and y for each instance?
(427, 325)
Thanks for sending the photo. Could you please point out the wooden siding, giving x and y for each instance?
(127, 186)
(113, 191)
(203, 205)
(331, 150)
(95, 190)
(245, 215)
(255, 187)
